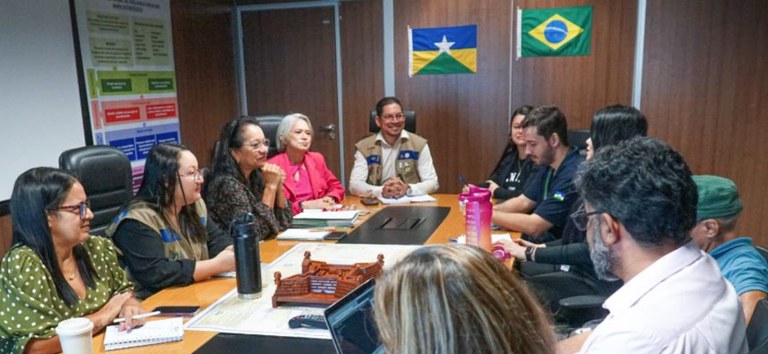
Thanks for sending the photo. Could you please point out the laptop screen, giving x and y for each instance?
(351, 323)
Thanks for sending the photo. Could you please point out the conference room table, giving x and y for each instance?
(206, 292)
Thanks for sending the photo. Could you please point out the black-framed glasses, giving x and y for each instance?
(581, 218)
(259, 144)
(194, 175)
(393, 116)
(80, 208)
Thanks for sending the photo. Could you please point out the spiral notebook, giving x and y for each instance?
(153, 332)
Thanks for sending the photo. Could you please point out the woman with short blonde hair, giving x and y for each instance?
(458, 299)
(309, 184)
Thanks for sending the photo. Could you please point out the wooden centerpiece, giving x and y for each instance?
(321, 283)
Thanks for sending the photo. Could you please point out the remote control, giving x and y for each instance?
(308, 321)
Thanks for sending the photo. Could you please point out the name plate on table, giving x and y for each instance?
(399, 225)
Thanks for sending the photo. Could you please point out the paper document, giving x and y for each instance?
(426, 198)
(302, 234)
(232, 315)
(153, 332)
(494, 238)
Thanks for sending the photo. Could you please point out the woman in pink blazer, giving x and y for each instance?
(308, 182)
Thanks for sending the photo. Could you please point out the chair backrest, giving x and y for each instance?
(757, 329)
(578, 139)
(107, 177)
(410, 122)
(269, 124)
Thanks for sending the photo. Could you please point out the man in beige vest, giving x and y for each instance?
(393, 162)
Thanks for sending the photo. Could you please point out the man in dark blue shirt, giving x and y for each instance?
(541, 212)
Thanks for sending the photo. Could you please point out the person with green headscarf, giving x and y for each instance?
(717, 213)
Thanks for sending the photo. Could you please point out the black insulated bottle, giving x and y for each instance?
(247, 259)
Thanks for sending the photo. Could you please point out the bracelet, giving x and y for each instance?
(528, 254)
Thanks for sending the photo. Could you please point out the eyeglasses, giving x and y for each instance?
(259, 144)
(195, 175)
(81, 208)
(393, 116)
(581, 218)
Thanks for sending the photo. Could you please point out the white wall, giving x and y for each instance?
(40, 113)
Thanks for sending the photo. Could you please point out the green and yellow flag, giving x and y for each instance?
(442, 50)
(563, 31)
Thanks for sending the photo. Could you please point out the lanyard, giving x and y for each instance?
(550, 174)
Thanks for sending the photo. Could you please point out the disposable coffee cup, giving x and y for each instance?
(75, 335)
(266, 275)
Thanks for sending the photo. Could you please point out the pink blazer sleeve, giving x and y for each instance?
(324, 181)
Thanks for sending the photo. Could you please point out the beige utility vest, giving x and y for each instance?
(406, 164)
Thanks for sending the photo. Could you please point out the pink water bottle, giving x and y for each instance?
(478, 209)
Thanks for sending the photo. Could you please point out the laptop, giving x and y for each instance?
(350, 320)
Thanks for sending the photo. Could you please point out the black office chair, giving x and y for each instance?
(107, 177)
(757, 330)
(269, 124)
(578, 139)
(410, 122)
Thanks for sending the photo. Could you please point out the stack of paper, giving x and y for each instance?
(319, 218)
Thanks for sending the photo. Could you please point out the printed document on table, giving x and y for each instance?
(426, 198)
(230, 314)
(302, 234)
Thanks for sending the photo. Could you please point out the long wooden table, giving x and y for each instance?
(205, 293)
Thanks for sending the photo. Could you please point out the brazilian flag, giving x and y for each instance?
(442, 50)
(560, 31)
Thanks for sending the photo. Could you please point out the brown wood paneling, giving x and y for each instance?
(464, 116)
(290, 66)
(205, 72)
(362, 60)
(580, 85)
(705, 76)
(6, 234)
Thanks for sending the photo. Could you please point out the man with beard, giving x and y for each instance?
(394, 162)
(640, 205)
(541, 212)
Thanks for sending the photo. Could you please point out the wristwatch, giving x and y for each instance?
(528, 253)
(409, 192)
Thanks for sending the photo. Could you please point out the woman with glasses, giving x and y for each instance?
(309, 184)
(55, 270)
(164, 233)
(243, 182)
(563, 268)
(508, 178)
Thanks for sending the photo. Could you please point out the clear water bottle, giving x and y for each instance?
(478, 212)
(247, 259)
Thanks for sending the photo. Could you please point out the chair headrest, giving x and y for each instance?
(578, 139)
(269, 124)
(107, 177)
(410, 122)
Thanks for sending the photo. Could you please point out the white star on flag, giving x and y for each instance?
(445, 46)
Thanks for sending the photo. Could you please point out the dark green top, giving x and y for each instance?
(29, 305)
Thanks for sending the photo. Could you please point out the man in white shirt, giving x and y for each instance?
(640, 205)
(394, 162)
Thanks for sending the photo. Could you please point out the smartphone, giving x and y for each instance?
(177, 310)
(336, 235)
(369, 201)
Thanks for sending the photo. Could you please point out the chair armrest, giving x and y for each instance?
(582, 302)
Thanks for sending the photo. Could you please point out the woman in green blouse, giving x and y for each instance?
(55, 270)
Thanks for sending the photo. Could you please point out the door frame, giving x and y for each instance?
(240, 63)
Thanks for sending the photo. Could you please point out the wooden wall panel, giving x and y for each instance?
(6, 234)
(362, 59)
(205, 72)
(580, 85)
(704, 79)
(463, 116)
